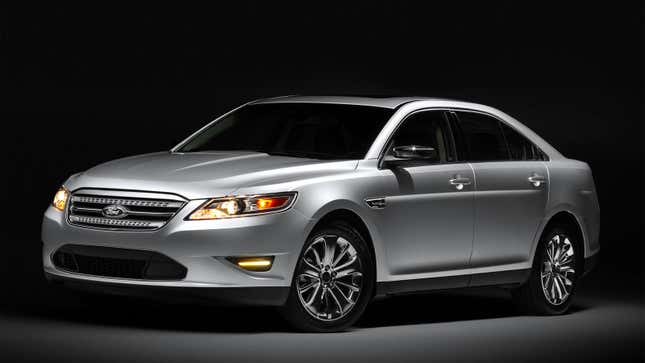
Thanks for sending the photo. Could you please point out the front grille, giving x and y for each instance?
(121, 213)
(117, 262)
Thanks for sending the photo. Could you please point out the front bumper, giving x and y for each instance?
(220, 296)
(201, 246)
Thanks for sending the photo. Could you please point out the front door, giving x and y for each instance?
(427, 221)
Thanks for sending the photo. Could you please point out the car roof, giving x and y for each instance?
(374, 101)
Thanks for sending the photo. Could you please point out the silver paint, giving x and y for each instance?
(437, 220)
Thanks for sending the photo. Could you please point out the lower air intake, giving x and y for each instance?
(117, 262)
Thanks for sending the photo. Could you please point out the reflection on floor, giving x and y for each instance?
(477, 325)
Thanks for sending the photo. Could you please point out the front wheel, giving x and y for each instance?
(333, 281)
(550, 287)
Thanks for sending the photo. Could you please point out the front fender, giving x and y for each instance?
(365, 215)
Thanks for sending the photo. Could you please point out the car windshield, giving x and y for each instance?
(309, 130)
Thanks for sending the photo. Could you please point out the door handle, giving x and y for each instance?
(458, 181)
(537, 179)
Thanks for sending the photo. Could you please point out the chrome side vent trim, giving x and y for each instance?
(376, 203)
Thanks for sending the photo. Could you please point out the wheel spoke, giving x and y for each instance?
(335, 299)
(565, 259)
(563, 284)
(544, 277)
(323, 294)
(349, 286)
(566, 281)
(330, 249)
(558, 252)
(549, 252)
(311, 265)
(342, 294)
(309, 274)
(549, 282)
(348, 272)
(341, 254)
(312, 298)
(317, 256)
(309, 287)
(566, 254)
(346, 264)
(558, 288)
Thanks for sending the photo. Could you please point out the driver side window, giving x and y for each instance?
(427, 129)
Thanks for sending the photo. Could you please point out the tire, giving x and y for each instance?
(532, 297)
(328, 311)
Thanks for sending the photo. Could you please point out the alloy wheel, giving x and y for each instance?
(557, 273)
(329, 280)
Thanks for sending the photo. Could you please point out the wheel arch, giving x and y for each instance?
(344, 212)
(353, 219)
(568, 219)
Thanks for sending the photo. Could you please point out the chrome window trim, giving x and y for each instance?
(403, 110)
(499, 119)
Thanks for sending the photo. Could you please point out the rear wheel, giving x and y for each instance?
(333, 281)
(552, 283)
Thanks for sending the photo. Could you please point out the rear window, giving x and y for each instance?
(519, 146)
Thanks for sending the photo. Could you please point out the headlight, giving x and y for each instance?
(229, 207)
(60, 199)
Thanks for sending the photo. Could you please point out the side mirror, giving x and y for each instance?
(415, 152)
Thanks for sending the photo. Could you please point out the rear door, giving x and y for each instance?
(511, 189)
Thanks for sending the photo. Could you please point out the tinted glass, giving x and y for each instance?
(424, 129)
(519, 146)
(325, 131)
(483, 137)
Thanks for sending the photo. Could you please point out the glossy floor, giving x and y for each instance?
(604, 325)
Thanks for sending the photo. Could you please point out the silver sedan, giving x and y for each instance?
(318, 205)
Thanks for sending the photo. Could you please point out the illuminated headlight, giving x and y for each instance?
(243, 205)
(60, 199)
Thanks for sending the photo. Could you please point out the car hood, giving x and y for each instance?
(203, 174)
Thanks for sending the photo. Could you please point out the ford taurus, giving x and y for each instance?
(318, 205)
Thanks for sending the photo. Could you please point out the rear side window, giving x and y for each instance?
(483, 137)
(519, 146)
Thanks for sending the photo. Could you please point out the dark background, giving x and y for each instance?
(89, 84)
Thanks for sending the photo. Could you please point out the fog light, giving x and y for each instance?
(263, 263)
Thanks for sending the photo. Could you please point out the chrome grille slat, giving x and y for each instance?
(116, 222)
(140, 214)
(128, 201)
(130, 212)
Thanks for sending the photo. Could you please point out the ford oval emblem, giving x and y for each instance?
(114, 211)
